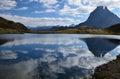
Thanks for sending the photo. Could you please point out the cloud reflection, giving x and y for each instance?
(51, 57)
(7, 54)
(73, 57)
(21, 70)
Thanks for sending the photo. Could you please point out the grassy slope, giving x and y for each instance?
(7, 26)
(76, 31)
(8, 31)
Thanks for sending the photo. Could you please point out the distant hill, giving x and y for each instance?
(84, 28)
(7, 26)
(41, 28)
(57, 27)
(100, 18)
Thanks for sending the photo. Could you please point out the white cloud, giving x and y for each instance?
(81, 7)
(75, 12)
(44, 49)
(50, 10)
(86, 6)
(45, 21)
(38, 12)
(33, 0)
(95, 3)
(7, 4)
(46, 11)
(22, 8)
(49, 3)
(74, 2)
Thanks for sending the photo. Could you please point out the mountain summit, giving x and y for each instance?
(101, 18)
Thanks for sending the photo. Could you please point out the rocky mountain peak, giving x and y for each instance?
(101, 18)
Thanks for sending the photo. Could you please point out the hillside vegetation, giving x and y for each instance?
(7, 26)
(78, 31)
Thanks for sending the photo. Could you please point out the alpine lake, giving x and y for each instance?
(55, 56)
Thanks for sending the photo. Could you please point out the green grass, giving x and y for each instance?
(64, 31)
(8, 31)
(75, 31)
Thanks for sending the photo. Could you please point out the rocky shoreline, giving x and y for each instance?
(110, 70)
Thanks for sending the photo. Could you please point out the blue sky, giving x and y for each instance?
(52, 12)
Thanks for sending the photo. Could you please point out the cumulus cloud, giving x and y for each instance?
(46, 50)
(47, 3)
(75, 12)
(33, 0)
(83, 7)
(44, 21)
(89, 3)
(22, 8)
(76, 8)
(7, 4)
(46, 11)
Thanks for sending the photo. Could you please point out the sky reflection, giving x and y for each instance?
(50, 57)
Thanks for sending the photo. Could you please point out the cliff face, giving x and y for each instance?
(110, 70)
(101, 18)
(7, 26)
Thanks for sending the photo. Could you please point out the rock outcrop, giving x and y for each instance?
(110, 70)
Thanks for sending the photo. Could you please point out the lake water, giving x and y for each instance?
(54, 56)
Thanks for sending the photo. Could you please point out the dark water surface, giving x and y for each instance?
(54, 56)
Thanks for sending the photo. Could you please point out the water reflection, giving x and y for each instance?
(52, 56)
(3, 41)
(21, 70)
(101, 46)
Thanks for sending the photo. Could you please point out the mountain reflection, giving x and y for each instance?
(53, 56)
(101, 46)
